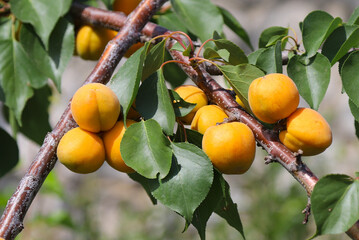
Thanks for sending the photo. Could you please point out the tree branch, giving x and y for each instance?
(266, 138)
(11, 222)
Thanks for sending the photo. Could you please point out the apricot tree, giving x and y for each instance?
(37, 40)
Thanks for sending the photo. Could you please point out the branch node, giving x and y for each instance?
(269, 159)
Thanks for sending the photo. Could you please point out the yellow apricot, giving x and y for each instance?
(192, 94)
(306, 130)
(230, 146)
(91, 41)
(95, 107)
(112, 140)
(207, 116)
(273, 97)
(81, 151)
(125, 6)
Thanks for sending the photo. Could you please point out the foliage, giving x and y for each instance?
(168, 159)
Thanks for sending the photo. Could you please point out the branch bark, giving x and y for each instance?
(266, 138)
(11, 222)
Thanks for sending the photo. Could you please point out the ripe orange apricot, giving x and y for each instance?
(125, 6)
(230, 146)
(273, 97)
(95, 107)
(91, 41)
(81, 151)
(112, 140)
(192, 94)
(306, 130)
(207, 116)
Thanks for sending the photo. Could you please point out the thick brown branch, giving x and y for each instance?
(266, 138)
(11, 222)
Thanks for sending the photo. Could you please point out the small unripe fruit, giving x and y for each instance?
(273, 97)
(95, 107)
(112, 140)
(81, 151)
(192, 94)
(230, 146)
(125, 6)
(207, 116)
(91, 41)
(306, 130)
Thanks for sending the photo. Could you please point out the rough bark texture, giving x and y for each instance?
(11, 222)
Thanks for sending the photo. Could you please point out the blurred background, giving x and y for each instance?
(108, 205)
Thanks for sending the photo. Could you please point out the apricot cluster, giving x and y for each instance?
(96, 109)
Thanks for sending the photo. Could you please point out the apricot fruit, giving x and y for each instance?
(230, 146)
(95, 107)
(125, 6)
(306, 130)
(112, 141)
(191, 94)
(81, 151)
(273, 97)
(207, 116)
(91, 41)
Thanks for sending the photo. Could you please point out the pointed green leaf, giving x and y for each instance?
(356, 125)
(154, 59)
(145, 149)
(354, 18)
(188, 182)
(268, 34)
(188, 135)
(125, 82)
(235, 26)
(146, 184)
(312, 76)
(354, 110)
(350, 77)
(317, 26)
(240, 77)
(51, 62)
(171, 22)
(180, 106)
(210, 53)
(235, 54)
(9, 152)
(154, 102)
(335, 204)
(270, 60)
(174, 75)
(41, 14)
(17, 75)
(340, 42)
(5, 28)
(197, 14)
(227, 209)
(253, 57)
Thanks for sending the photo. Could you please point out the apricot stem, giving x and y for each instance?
(200, 48)
(173, 61)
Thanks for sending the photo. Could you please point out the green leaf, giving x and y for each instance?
(171, 22)
(146, 184)
(354, 18)
(235, 54)
(180, 106)
(269, 33)
(210, 53)
(52, 62)
(227, 209)
(270, 60)
(154, 59)
(350, 77)
(240, 77)
(356, 125)
(188, 182)
(5, 28)
(252, 57)
(17, 75)
(197, 14)
(174, 75)
(335, 204)
(354, 110)
(145, 149)
(317, 26)
(41, 14)
(235, 26)
(312, 76)
(126, 81)
(208, 206)
(154, 102)
(340, 42)
(9, 152)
